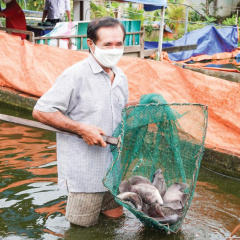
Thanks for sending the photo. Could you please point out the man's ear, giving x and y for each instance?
(90, 44)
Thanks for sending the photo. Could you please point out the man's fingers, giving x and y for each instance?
(102, 143)
(93, 136)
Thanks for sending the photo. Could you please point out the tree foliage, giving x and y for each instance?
(33, 5)
(231, 21)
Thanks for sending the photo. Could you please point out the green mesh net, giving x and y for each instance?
(155, 134)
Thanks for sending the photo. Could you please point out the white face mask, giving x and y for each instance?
(107, 57)
(7, 1)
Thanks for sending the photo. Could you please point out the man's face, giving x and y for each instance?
(109, 37)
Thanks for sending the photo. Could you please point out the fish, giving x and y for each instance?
(124, 186)
(159, 182)
(153, 198)
(147, 192)
(134, 198)
(175, 196)
(143, 187)
(154, 210)
(138, 179)
(158, 210)
(171, 219)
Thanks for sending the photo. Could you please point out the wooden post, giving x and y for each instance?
(81, 11)
(161, 34)
(142, 42)
(115, 12)
(237, 18)
(186, 20)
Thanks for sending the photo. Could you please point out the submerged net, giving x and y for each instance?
(155, 134)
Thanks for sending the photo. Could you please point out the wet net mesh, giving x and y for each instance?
(155, 134)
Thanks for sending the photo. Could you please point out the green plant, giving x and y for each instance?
(34, 5)
(148, 29)
(99, 11)
(134, 13)
(206, 9)
(191, 27)
(231, 21)
(175, 14)
(194, 16)
(210, 19)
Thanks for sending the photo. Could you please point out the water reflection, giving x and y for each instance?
(31, 206)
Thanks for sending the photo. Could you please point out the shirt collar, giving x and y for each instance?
(96, 68)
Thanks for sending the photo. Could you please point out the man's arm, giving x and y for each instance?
(90, 134)
(2, 14)
(68, 9)
(45, 12)
(68, 15)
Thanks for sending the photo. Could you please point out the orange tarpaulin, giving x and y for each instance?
(33, 69)
(223, 55)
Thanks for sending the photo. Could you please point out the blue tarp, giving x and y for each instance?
(209, 41)
(161, 3)
(149, 8)
(150, 5)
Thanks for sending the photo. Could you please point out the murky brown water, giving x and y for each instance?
(31, 206)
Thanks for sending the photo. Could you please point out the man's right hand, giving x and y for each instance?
(91, 134)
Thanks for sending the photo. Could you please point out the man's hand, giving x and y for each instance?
(91, 134)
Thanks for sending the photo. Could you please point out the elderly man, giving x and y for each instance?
(87, 99)
(15, 17)
(55, 10)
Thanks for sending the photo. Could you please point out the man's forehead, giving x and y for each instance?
(110, 33)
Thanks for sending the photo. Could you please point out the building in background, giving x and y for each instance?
(223, 8)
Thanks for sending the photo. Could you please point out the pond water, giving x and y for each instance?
(31, 206)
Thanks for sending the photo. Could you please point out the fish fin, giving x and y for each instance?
(177, 205)
(184, 199)
(184, 186)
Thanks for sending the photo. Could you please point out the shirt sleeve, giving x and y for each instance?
(58, 97)
(67, 5)
(46, 5)
(9, 11)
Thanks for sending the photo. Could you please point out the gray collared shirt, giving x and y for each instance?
(84, 93)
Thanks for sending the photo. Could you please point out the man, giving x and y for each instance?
(15, 17)
(87, 99)
(55, 10)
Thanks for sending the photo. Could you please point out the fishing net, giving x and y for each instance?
(153, 135)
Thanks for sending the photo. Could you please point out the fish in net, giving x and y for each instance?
(157, 135)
